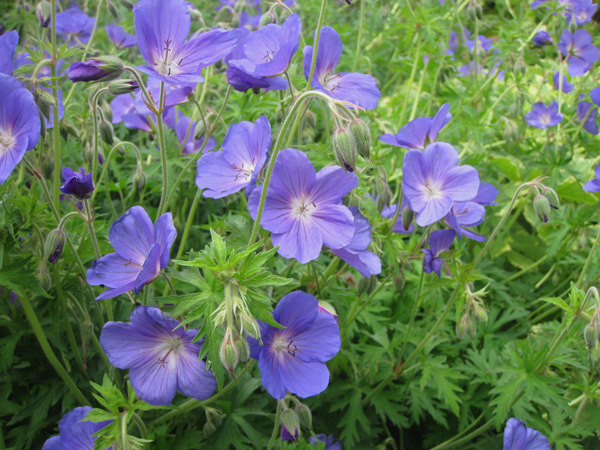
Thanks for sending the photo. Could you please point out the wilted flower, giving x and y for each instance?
(142, 251)
(293, 358)
(593, 185)
(162, 27)
(303, 209)
(103, 68)
(75, 432)
(245, 150)
(117, 36)
(420, 132)
(356, 253)
(439, 242)
(566, 86)
(579, 51)
(584, 113)
(330, 442)
(542, 38)
(518, 437)
(8, 45)
(160, 356)
(433, 181)
(77, 183)
(542, 116)
(20, 124)
(357, 88)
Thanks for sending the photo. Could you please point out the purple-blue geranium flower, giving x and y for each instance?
(303, 209)
(356, 253)
(160, 356)
(588, 112)
(542, 38)
(483, 44)
(142, 251)
(269, 50)
(75, 432)
(103, 68)
(20, 124)
(185, 129)
(580, 11)
(579, 51)
(566, 86)
(518, 437)
(420, 132)
(8, 45)
(119, 37)
(542, 116)
(471, 213)
(245, 150)
(330, 442)
(433, 181)
(595, 95)
(74, 26)
(293, 358)
(439, 242)
(77, 183)
(593, 185)
(162, 27)
(357, 88)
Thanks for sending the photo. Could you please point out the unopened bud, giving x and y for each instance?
(480, 313)
(399, 281)
(511, 131)
(119, 87)
(471, 328)
(209, 428)
(591, 333)
(362, 135)
(112, 9)
(243, 351)
(474, 11)
(541, 206)
(225, 15)
(268, 18)
(44, 101)
(139, 179)
(519, 66)
(365, 285)
(106, 132)
(461, 327)
(54, 245)
(44, 13)
(291, 421)
(552, 197)
(344, 146)
(304, 415)
(228, 354)
(408, 216)
(102, 68)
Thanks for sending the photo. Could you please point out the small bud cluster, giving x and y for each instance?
(474, 312)
(353, 140)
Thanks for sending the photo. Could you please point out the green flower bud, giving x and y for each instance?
(243, 351)
(480, 313)
(106, 132)
(268, 18)
(471, 328)
(139, 179)
(461, 327)
(196, 15)
(511, 131)
(399, 281)
(408, 216)
(475, 11)
(44, 13)
(345, 150)
(541, 206)
(304, 415)
(54, 245)
(112, 9)
(362, 135)
(552, 197)
(209, 428)
(290, 421)
(44, 101)
(228, 353)
(365, 285)
(591, 334)
(225, 15)
(118, 87)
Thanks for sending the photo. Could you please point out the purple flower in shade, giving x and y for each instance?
(162, 27)
(593, 185)
(583, 111)
(74, 26)
(303, 209)
(77, 183)
(580, 11)
(566, 86)
(142, 251)
(20, 124)
(471, 213)
(439, 242)
(75, 432)
(420, 132)
(579, 51)
(117, 36)
(185, 129)
(356, 253)
(330, 442)
(161, 358)
(8, 45)
(245, 150)
(595, 95)
(542, 116)
(433, 181)
(518, 437)
(542, 38)
(293, 358)
(357, 88)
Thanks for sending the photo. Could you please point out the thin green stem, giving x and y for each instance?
(452, 439)
(90, 224)
(360, 33)
(163, 153)
(413, 314)
(413, 111)
(412, 76)
(109, 157)
(316, 43)
(55, 118)
(275, 427)
(586, 266)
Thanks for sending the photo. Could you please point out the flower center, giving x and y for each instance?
(245, 171)
(330, 82)
(7, 141)
(545, 119)
(303, 207)
(169, 63)
(283, 344)
(269, 55)
(170, 347)
(432, 189)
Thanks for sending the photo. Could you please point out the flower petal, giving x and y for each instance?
(132, 234)
(192, 377)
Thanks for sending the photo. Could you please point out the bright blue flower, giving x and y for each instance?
(542, 116)
(75, 432)
(518, 437)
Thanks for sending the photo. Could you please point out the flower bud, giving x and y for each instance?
(365, 285)
(119, 87)
(54, 245)
(511, 131)
(475, 11)
(112, 9)
(44, 13)
(268, 18)
(225, 15)
(591, 333)
(362, 136)
(208, 429)
(196, 15)
(44, 101)
(304, 415)
(408, 216)
(243, 351)
(139, 179)
(399, 281)
(102, 68)
(471, 328)
(480, 313)
(552, 197)
(344, 146)
(291, 421)
(106, 132)
(461, 327)
(519, 66)
(228, 354)
(541, 206)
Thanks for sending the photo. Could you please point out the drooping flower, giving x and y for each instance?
(518, 437)
(161, 358)
(542, 116)
(433, 181)
(356, 253)
(245, 150)
(162, 27)
(75, 432)
(580, 11)
(293, 358)
(303, 209)
(103, 68)
(8, 45)
(185, 129)
(357, 88)
(579, 51)
(542, 38)
(588, 112)
(566, 86)
(77, 183)
(420, 132)
(594, 184)
(119, 37)
(142, 251)
(330, 442)
(439, 242)
(74, 26)
(20, 124)
(471, 213)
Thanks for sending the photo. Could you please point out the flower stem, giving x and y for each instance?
(108, 158)
(94, 102)
(588, 261)
(163, 153)
(412, 75)
(413, 314)
(360, 33)
(90, 225)
(415, 105)
(56, 125)
(275, 427)
(316, 43)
